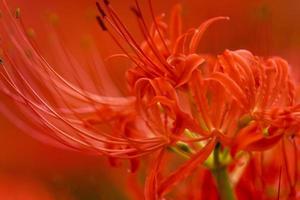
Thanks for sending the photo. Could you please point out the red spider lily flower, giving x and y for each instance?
(166, 51)
(79, 119)
(266, 87)
(213, 111)
(264, 92)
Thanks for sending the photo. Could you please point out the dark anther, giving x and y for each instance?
(18, 13)
(100, 9)
(136, 11)
(106, 2)
(293, 136)
(101, 23)
(184, 148)
(218, 145)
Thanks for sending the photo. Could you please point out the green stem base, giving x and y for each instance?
(223, 184)
(219, 171)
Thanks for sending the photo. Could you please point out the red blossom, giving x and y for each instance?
(215, 111)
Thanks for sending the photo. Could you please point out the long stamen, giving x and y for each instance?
(114, 137)
(101, 24)
(32, 90)
(150, 41)
(149, 38)
(156, 26)
(121, 29)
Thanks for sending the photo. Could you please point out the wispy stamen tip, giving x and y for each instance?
(136, 11)
(101, 23)
(100, 9)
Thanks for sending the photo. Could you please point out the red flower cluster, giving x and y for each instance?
(231, 116)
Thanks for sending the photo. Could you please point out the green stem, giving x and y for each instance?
(220, 173)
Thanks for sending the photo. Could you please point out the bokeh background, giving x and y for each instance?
(32, 170)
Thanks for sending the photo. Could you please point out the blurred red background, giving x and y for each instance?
(28, 167)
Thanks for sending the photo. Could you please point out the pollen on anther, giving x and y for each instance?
(31, 32)
(18, 13)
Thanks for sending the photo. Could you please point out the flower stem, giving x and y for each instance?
(224, 187)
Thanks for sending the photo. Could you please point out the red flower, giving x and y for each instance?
(214, 111)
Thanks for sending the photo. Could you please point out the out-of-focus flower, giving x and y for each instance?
(192, 111)
(13, 187)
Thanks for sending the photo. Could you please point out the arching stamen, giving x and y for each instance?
(119, 31)
(54, 112)
(104, 28)
(131, 41)
(51, 109)
(38, 56)
(35, 48)
(135, 140)
(39, 115)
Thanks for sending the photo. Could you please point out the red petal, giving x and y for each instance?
(251, 138)
(151, 180)
(201, 30)
(192, 63)
(187, 168)
(231, 86)
(264, 143)
(198, 91)
(175, 23)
